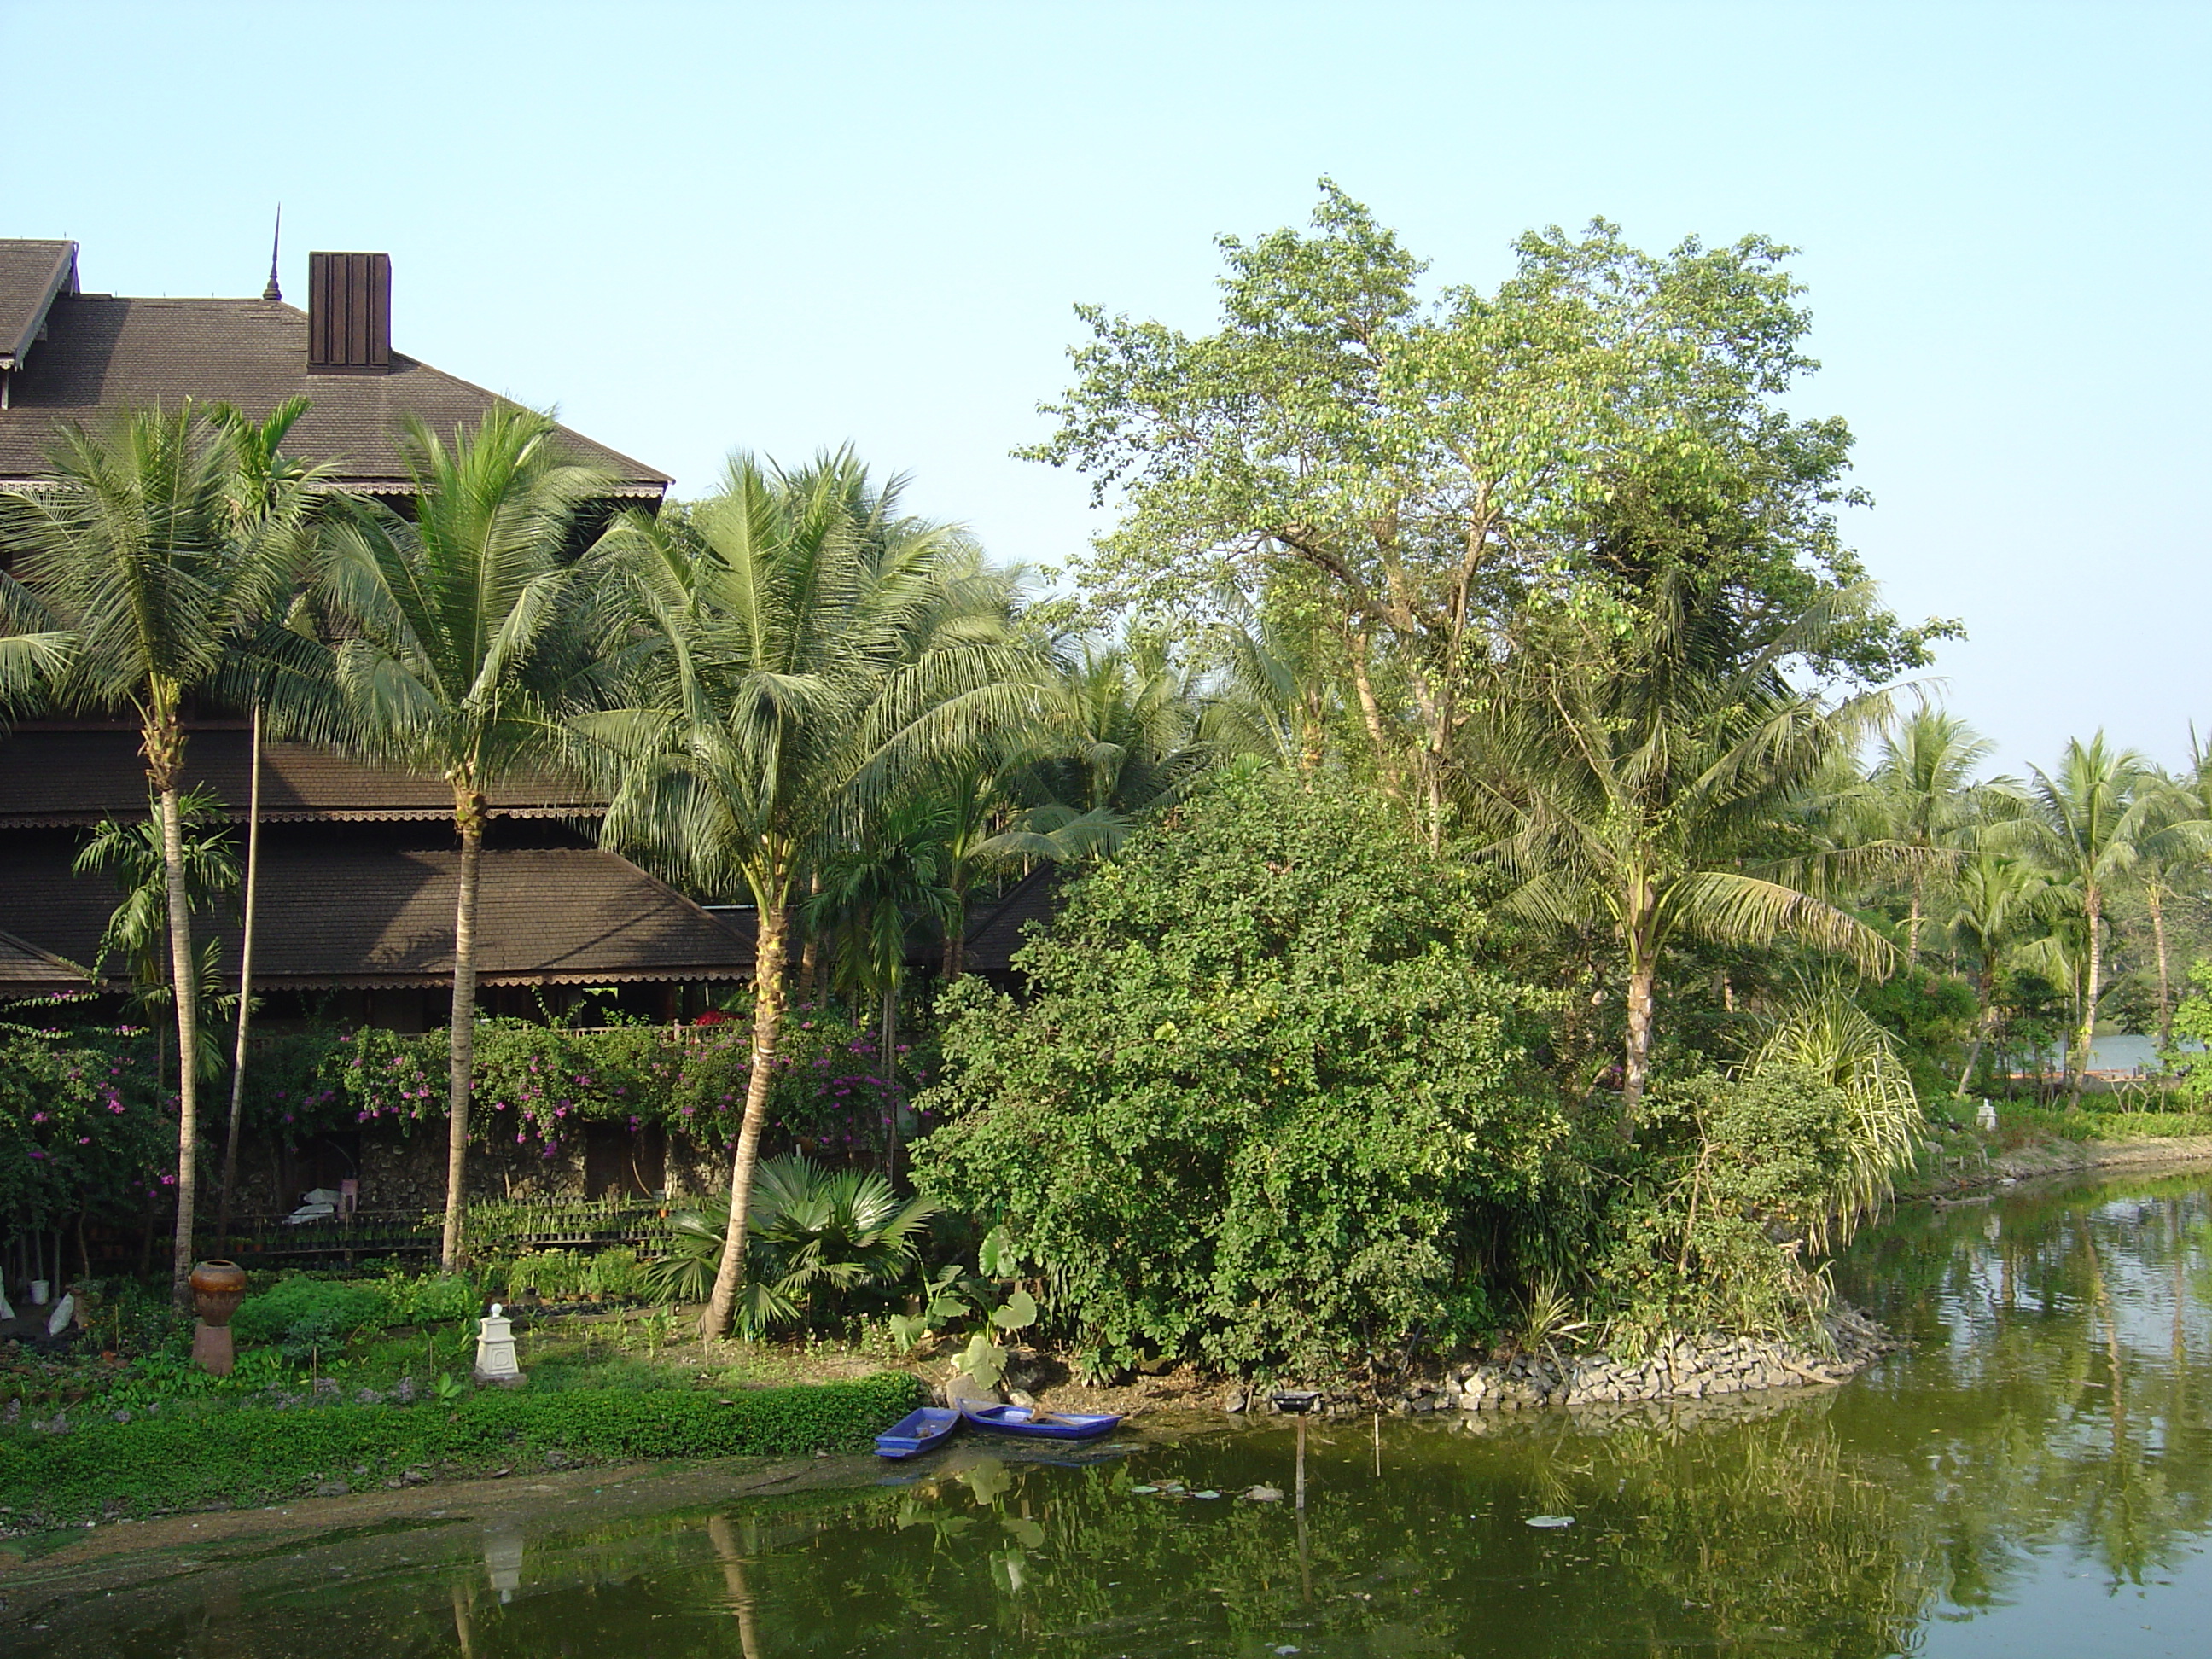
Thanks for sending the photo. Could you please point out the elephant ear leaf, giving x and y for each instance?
(998, 1257)
(1021, 1310)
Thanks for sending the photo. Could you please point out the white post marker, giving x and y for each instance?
(496, 1361)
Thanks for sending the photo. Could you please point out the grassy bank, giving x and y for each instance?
(251, 1454)
(2032, 1140)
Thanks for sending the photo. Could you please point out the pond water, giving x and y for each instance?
(2033, 1477)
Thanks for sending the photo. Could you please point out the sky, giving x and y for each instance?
(692, 228)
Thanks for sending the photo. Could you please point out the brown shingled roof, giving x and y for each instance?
(61, 776)
(366, 915)
(103, 353)
(31, 274)
(24, 967)
(1005, 928)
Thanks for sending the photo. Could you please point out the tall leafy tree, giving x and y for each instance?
(142, 569)
(1412, 469)
(471, 632)
(816, 649)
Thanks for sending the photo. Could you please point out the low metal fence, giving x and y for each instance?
(494, 1226)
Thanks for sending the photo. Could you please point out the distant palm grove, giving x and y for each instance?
(1510, 865)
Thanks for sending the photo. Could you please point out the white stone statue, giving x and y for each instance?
(495, 1360)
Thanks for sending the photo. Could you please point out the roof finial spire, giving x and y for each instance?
(273, 292)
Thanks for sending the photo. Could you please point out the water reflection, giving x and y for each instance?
(2034, 1476)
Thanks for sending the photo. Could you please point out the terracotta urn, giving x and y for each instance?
(217, 1289)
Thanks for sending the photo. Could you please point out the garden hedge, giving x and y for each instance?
(263, 1454)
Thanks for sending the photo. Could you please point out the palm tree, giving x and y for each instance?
(137, 566)
(1636, 781)
(871, 891)
(2086, 831)
(1994, 899)
(2177, 836)
(816, 649)
(472, 634)
(1920, 794)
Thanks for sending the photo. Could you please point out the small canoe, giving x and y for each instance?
(1042, 1426)
(917, 1431)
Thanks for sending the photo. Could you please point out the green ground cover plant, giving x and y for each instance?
(261, 1454)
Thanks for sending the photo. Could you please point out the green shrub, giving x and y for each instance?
(298, 1313)
(1733, 1176)
(261, 1454)
(1267, 1101)
(576, 1275)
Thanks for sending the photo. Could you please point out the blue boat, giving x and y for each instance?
(917, 1431)
(1041, 1425)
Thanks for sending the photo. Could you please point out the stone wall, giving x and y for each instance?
(1683, 1369)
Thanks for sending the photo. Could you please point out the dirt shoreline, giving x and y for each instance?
(2056, 1157)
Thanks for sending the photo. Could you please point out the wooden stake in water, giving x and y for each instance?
(1378, 1445)
(1301, 1460)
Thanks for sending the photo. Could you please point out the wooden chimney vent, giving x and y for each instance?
(350, 314)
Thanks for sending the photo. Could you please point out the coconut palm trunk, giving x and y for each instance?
(468, 819)
(165, 757)
(2155, 893)
(2092, 908)
(1985, 1021)
(767, 1028)
(245, 983)
(1636, 1060)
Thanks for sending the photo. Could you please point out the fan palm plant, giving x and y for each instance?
(472, 633)
(816, 651)
(143, 570)
(810, 1229)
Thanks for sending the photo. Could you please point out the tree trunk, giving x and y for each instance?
(956, 932)
(810, 954)
(1984, 1017)
(469, 818)
(767, 1019)
(1912, 921)
(888, 1035)
(2092, 906)
(1636, 1068)
(245, 983)
(2165, 981)
(185, 988)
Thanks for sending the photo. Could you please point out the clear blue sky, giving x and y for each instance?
(694, 227)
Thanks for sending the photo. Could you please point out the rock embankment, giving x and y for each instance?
(1685, 1368)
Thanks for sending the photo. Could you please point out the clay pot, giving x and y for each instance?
(217, 1289)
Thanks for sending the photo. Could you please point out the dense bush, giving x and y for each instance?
(1736, 1180)
(299, 1313)
(537, 1085)
(84, 1127)
(261, 1454)
(1266, 1099)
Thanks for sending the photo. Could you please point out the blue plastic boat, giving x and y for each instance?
(917, 1431)
(1041, 1425)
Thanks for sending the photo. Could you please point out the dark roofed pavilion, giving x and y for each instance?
(68, 356)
